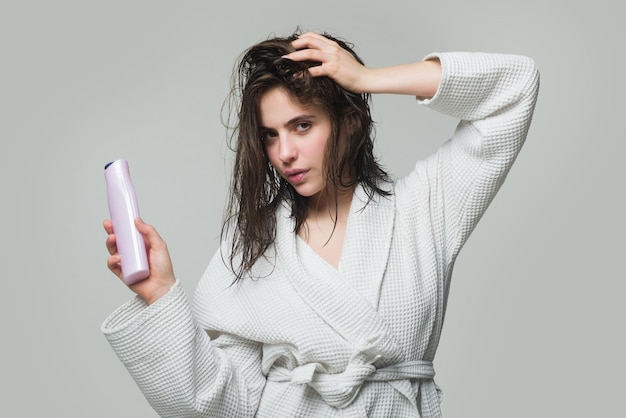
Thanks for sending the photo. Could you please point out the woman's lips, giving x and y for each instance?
(296, 176)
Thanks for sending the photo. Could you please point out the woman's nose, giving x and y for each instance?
(287, 151)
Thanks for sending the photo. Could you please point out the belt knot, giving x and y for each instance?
(340, 389)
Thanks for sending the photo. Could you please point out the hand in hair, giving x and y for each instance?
(337, 63)
(419, 79)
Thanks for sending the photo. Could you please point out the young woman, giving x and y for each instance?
(328, 293)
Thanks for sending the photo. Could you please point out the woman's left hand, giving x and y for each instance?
(336, 62)
(420, 79)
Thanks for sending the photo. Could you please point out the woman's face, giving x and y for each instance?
(295, 140)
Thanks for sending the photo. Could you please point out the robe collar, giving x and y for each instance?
(348, 300)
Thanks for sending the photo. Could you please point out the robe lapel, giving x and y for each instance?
(347, 301)
(367, 243)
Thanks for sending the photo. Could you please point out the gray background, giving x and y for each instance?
(535, 321)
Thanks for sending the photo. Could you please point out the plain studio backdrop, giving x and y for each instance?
(535, 325)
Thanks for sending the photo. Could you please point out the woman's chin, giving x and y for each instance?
(306, 190)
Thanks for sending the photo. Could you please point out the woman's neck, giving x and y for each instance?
(331, 205)
(325, 225)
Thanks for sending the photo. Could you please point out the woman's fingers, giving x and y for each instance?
(113, 263)
(161, 277)
(336, 62)
(111, 244)
(312, 37)
(151, 236)
(308, 55)
(110, 241)
(329, 65)
(108, 226)
(314, 41)
(158, 254)
(315, 47)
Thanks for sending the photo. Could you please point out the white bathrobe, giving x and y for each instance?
(302, 339)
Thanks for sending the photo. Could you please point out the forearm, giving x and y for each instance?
(478, 85)
(420, 79)
(173, 361)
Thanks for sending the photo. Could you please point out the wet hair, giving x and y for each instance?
(256, 188)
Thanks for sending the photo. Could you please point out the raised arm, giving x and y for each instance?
(420, 79)
(494, 96)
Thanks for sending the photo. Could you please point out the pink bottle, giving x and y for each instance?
(123, 209)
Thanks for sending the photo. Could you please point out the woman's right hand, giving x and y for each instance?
(161, 277)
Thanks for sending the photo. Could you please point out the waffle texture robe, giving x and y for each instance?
(305, 340)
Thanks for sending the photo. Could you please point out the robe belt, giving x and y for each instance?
(340, 389)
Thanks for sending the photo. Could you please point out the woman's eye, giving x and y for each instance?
(303, 126)
(267, 136)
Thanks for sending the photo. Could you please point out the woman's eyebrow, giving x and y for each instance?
(293, 121)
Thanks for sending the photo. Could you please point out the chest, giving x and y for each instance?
(326, 238)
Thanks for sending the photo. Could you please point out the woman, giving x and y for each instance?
(328, 293)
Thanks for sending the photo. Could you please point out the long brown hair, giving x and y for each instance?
(256, 188)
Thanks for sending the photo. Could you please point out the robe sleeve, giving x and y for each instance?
(179, 369)
(494, 96)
